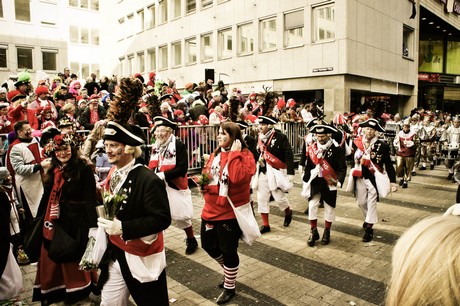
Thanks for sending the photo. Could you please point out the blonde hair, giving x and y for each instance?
(426, 264)
(136, 151)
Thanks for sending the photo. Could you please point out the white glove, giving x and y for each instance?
(291, 178)
(110, 227)
(24, 103)
(7, 123)
(161, 175)
(92, 232)
(339, 185)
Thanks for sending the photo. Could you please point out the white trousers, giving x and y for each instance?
(115, 292)
(183, 224)
(313, 204)
(366, 196)
(263, 196)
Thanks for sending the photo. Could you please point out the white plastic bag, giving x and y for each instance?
(180, 203)
(11, 280)
(246, 221)
(383, 182)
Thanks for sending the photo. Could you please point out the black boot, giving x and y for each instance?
(368, 234)
(326, 236)
(401, 182)
(287, 219)
(225, 296)
(192, 245)
(314, 235)
(264, 229)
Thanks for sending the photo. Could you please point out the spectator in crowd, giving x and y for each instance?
(92, 114)
(5, 123)
(69, 207)
(43, 101)
(405, 145)
(425, 269)
(101, 161)
(19, 110)
(93, 138)
(231, 167)
(104, 83)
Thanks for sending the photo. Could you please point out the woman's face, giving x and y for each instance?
(63, 154)
(223, 139)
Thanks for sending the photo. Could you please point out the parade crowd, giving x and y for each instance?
(87, 197)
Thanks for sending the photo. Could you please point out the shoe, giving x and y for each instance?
(264, 229)
(221, 284)
(422, 168)
(225, 296)
(404, 185)
(438, 162)
(432, 167)
(326, 236)
(449, 177)
(364, 225)
(314, 235)
(368, 234)
(287, 219)
(401, 182)
(414, 173)
(192, 245)
(22, 257)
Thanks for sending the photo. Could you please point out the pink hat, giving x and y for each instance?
(291, 103)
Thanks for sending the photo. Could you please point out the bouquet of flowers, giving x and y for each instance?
(202, 180)
(86, 262)
(112, 203)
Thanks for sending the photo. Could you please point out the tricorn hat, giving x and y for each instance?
(322, 129)
(372, 123)
(162, 121)
(267, 120)
(123, 133)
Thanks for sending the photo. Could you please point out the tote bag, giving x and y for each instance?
(383, 182)
(34, 237)
(180, 203)
(246, 221)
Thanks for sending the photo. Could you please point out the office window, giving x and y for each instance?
(191, 51)
(95, 37)
(408, 42)
(140, 21)
(121, 27)
(75, 68)
(268, 35)
(95, 69)
(84, 4)
(225, 39)
(84, 36)
(49, 59)
(176, 9)
(221, 1)
(163, 57)
(73, 35)
(3, 61)
(163, 10)
(245, 39)
(152, 58)
(453, 57)
(176, 55)
(73, 3)
(206, 47)
(141, 62)
(206, 3)
(121, 70)
(191, 6)
(85, 71)
(150, 18)
(324, 23)
(293, 28)
(24, 58)
(94, 5)
(130, 63)
(22, 10)
(431, 56)
(130, 25)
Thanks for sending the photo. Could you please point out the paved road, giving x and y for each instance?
(280, 269)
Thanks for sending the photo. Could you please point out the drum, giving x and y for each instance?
(452, 151)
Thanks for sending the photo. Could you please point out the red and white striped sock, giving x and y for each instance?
(230, 277)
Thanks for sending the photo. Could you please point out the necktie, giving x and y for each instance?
(114, 180)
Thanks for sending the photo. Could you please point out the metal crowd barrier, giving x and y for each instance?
(202, 139)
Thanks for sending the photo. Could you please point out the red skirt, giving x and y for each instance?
(57, 282)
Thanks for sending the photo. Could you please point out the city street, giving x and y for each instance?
(280, 269)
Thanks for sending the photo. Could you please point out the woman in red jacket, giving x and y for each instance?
(230, 169)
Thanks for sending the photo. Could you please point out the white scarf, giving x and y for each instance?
(164, 154)
(216, 178)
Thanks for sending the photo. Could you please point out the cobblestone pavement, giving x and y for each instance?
(280, 269)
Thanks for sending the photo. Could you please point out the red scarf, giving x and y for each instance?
(326, 170)
(52, 210)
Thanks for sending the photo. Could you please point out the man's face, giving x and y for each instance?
(94, 105)
(116, 153)
(162, 134)
(369, 133)
(456, 123)
(406, 128)
(3, 111)
(25, 132)
(22, 88)
(322, 138)
(264, 128)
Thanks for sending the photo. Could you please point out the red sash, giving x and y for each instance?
(271, 159)
(137, 246)
(327, 172)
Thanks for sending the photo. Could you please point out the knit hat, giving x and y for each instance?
(41, 90)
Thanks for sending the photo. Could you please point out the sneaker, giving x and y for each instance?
(192, 245)
(404, 185)
(414, 173)
(22, 257)
(368, 234)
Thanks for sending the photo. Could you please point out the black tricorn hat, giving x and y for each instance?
(126, 134)
(372, 123)
(323, 129)
(267, 120)
(162, 121)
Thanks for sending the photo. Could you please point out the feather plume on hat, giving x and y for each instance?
(125, 100)
(269, 103)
